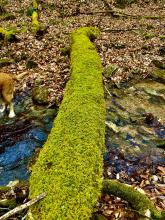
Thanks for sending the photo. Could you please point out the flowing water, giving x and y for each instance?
(21, 137)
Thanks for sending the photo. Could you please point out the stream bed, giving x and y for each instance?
(21, 137)
(135, 129)
(135, 132)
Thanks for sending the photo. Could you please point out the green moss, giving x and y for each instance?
(4, 188)
(8, 16)
(110, 70)
(154, 17)
(35, 5)
(159, 73)
(30, 11)
(8, 35)
(65, 50)
(149, 35)
(6, 62)
(40, 95)
(35, 24)
(162, 37)
(70, 165)
(9, 203)
(138, 201)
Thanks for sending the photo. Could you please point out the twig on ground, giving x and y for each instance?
(24, 206)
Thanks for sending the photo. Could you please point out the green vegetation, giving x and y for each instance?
(40, 95)
(149, 35)
(35, 23)
(123, 3)
(36, 28)
(35, 5)
(8, 16)
(7, 35)
(6, 62)
(70, 165)
(140, 202)
(162, 37)
(159, 73)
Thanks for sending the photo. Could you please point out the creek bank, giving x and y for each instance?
(135, 134)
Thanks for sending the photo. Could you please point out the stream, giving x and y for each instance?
(135, 129)
(135, 132)
(22, 137)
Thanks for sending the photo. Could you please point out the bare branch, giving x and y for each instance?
(24, 206)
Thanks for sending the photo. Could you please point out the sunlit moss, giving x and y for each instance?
(70, 165)
(35, 5)
(35, 24)
(7, 35)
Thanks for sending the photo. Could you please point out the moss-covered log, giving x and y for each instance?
(7, 35)
(140, 202)
(70, 165)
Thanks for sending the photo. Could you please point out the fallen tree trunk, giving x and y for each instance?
(140, 202)
(70, 165)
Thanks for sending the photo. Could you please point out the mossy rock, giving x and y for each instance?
(123, 3)
(2, 10)
(65, 50)
(40, 95)
(31, 64)
(70, 165)
(98, 217)
(149, 35)
(159, 73)
(110, 70)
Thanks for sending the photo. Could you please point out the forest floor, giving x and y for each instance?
(131, 39)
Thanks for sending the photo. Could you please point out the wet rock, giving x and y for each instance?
(20, 172)
(40, 95)
(37, 134)
(15, 155)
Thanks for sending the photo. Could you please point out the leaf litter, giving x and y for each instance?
(129, 42)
